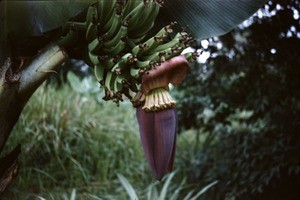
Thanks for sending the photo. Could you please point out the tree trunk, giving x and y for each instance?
(17, 86)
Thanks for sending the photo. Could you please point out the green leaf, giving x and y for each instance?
(163, 193)
(75, 82)
(208, 18)
(128, 187)
(33, 18)
(203, 190)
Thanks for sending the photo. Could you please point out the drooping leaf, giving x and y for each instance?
(207, 18)
(23, 23)
(33, 18)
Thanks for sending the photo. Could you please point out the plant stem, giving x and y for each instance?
(17, 88)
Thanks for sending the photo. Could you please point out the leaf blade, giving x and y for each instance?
(208, 18)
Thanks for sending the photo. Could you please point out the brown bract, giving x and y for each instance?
(171, 71)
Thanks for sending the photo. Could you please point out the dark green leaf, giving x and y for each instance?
(207, 18)
(33, 18)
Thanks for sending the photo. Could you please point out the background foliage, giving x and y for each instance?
(245, 100)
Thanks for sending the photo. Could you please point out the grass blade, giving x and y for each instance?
(164, 190)
(204, 190)
(128, 187)
(73, 195)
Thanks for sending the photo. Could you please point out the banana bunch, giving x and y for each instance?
(117, 47)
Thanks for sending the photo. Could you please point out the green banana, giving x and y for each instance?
(115, 49)
(94, 58)
(105, 9)
(175, 41)
(130, 5)
(144, 64)
(91, 32)
(139, 49)
(125, 60)
(92, 15)
(99, 71)
(118, 83)
(134, 16)
(191, 56)
(107, 62)
(135, 73)
(116, 39)
(131, 44)
(112, 27)
(155, 57)
(110, 77)
(171, 52)
(95, 45)
(146, 22)
(101, 7)
(153, 42)
(137, 40)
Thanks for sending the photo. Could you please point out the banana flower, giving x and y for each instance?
(157, 118)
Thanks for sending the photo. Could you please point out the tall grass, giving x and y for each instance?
(74, 145)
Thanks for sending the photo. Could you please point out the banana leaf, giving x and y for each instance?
(23, 23)
(33, 18)
(27, 21)
(208, 18)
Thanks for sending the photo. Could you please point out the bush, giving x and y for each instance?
(245, 102)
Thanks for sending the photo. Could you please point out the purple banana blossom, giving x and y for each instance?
(157, 118)
(158, 136)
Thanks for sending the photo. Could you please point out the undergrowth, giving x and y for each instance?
(74, 145)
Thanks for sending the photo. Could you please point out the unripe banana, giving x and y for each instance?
(107, 62)
(130, 5)
(95, 45)
(94, 58)
(171, 52)
(113, 26)
(118, 83)
(116, 49)
(155, 57)
(135, 73)
(139, 49)
(107, 9)
(145, 23)
(92, 15)
(91, 32)
(125, 60)
(191, 56)
(152, 43)
(135, 15)
(110, 76)
(99, 71)
(174, 42)
(116, 39)
(144, 64)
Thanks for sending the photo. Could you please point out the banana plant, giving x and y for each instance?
(134, 47)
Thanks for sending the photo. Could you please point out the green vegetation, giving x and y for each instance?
(76, 144)
(246, 98)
